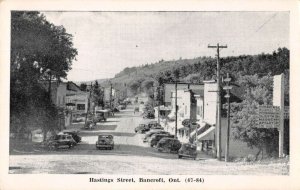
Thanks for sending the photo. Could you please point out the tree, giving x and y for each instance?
(39, 51)
(245, 114)
(97, 94)
(83, 87)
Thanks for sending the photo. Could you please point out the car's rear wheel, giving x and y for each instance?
(179, 156)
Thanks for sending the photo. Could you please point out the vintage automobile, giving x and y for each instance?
(156, 138)
(60, 140)
(152, 124)
(73, 133)
(188, 150)
(168, 145)
(156, 127)
(101, 115)
(142, 128)
(152, 132)
(105, 141)
(148, 115)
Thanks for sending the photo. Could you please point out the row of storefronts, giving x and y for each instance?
(196, 117)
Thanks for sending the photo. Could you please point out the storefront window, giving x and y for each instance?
(80, 106)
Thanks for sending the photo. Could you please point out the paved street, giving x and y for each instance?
(130, 156)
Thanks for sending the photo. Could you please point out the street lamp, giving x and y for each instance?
(227, 96)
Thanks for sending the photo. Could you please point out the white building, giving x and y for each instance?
(210, 102)
(78, 102)
(170, 87)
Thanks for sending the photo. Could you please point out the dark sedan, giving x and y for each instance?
(142, 128)
(156, 138)
(168, 145)
(61, 140)
(105, 141)
(73, 133)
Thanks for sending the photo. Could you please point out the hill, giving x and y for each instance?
(136, 79)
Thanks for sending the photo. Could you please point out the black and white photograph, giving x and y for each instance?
(149, 92)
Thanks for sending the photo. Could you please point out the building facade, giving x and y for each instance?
(170, 87)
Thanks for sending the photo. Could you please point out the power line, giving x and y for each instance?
(265, 22)
(259, 28)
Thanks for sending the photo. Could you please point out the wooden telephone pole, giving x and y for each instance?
(218, 122)
(176, 109)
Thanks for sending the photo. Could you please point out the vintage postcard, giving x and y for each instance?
(138, 95)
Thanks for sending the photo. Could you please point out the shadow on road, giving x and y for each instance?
(95, 133)
(100, 128)
(119, 150)
(126, 115)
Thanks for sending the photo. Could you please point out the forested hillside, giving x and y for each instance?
(199, 69)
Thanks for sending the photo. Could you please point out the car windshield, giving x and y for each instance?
(105, 137)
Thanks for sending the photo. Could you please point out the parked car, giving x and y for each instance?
(152, 132)
(156, 127)
(168, 145)
(152, 124)
(142, 128)
(61, 140)
(101, 115)
(73, 133)
(148, 115)
(188, 150)
(105, 141)
(156, 138)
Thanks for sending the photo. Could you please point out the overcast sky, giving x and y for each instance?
(107, 42)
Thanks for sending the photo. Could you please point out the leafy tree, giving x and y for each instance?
(245, 127)
(39, 51)
(83, 87)
(97, 94)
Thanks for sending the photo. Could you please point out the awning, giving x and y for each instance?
(171, 116)
(209, 134)
(204, 132)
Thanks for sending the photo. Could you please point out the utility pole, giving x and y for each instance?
(88, 107)
(176, 109)
(218, 122)
(110, 97)
(158, 109)
(227, 96)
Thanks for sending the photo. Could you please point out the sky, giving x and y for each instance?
(107, 42)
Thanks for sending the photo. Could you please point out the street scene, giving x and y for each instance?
(129, 156)
(149, 93)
